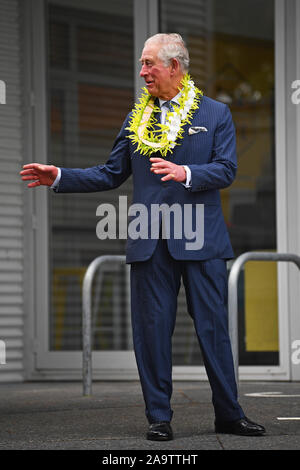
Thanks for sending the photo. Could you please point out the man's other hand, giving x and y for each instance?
(171, 170)
(40, 174)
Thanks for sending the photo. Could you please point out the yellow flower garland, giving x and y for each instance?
(162, 139)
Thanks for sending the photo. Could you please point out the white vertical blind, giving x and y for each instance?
(11, 206)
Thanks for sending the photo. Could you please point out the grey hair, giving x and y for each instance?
(172, 47)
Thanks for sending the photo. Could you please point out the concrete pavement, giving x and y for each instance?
(55, 416)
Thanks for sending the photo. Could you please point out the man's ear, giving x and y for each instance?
(175, 66)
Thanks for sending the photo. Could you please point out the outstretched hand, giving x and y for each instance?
(171, 170)
(40, 174)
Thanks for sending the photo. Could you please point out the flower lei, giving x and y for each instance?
(162, 138)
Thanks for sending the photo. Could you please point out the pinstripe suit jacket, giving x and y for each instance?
(211, 157)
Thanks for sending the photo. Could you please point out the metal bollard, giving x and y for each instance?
(87, 317)
(233, 293)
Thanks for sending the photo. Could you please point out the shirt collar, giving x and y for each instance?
(175, 99)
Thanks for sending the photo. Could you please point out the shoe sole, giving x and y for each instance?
(161, 438)
(254, 433)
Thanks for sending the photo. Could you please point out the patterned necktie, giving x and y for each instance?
(169, 105)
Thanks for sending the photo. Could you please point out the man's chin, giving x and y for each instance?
(152, 90)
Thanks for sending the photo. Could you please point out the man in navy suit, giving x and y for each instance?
(190, 175)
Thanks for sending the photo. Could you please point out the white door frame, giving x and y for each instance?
(290, 148)
(44, 364)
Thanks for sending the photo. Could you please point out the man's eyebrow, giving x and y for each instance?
(146, 59)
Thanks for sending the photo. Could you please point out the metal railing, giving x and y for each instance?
(233, 293)
(237, 265)
(93, 267)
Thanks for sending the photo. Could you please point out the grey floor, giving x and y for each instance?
(55, 416)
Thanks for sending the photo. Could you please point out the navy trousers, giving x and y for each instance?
(155, 285)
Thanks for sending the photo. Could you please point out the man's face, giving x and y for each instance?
(157, 76)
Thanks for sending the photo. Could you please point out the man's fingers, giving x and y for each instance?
(168, 177)
(169, 169)
(156, 159)
(162, 170)
(33, 166)
(32, 185)
(30, 177)
(161, 164)
(28, 172)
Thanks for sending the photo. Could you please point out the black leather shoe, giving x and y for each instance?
(262, 428)
(160, 431)
(241, 427)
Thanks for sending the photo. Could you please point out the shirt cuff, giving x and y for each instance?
(57, 180)
(188, 181)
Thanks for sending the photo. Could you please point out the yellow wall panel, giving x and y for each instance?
(261, 307)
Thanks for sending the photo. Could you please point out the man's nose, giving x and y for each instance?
(143, 71)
